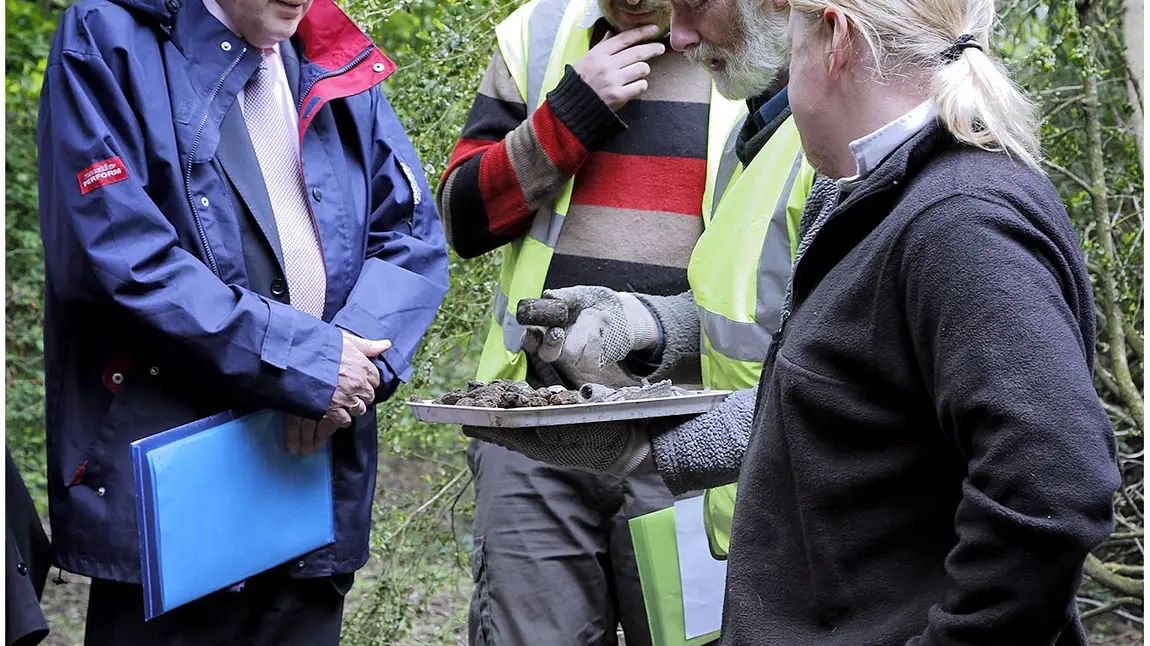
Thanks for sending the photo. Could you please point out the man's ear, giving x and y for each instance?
(838, 52)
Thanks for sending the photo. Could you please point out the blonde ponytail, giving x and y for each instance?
(942, 42)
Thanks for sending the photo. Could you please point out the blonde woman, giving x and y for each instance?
(928, 462)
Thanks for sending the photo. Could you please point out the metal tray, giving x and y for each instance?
(699, 401)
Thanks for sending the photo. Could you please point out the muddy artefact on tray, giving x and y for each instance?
(509, 404)
(504, 393)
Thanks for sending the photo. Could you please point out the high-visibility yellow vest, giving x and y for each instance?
(537, 42)
(739, 271)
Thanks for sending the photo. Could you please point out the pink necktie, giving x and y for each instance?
(272, 136)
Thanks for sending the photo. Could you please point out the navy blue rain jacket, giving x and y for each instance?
(166, 299)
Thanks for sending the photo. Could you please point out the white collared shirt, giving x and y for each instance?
(275, 66)
(871, 150)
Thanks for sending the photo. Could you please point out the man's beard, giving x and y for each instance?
(759, 53)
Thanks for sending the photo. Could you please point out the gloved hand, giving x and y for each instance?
(615, 448)
(603, 327)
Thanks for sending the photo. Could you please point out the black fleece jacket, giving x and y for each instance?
(929, 463)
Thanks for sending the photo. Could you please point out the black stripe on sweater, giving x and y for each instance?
(470, 236)
(491, 119)
(619, 275)
(662, 129)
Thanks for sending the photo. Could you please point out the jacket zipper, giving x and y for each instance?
(343, 70)
(299, 109)
(192, 155)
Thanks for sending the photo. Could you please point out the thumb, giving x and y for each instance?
(368, 347)
(552, 344)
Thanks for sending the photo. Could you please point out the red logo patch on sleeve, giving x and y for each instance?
(100, 174)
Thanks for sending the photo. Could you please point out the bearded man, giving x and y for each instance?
(720, 329)
(586, 158)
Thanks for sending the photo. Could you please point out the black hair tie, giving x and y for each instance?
(952, 53)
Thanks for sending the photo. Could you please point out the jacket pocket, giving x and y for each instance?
(834, 382)
(91, 461)
(143, 404)
(479, 615)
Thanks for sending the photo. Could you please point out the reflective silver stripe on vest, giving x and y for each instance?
(728, 162)
(775, 263)
(512, 330)
(735, 340)
(542, 30)
(744, 341)
(546, 226)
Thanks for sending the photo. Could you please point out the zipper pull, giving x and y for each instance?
(776, 341)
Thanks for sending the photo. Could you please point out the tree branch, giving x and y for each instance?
(1134, 339)
(1118, 568)
(1121, 414)
(1069, 175)
(1119, 613)
(431, 501)
(1097, 570)
(1057, 90)
(1107, 280)
(1109, 607)
(1134, 82)
(1107, 379)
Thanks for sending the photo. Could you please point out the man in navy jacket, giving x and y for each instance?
(175, 288)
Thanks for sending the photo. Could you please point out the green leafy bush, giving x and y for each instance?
(30, 31)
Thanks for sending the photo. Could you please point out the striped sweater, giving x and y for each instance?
(635, 211)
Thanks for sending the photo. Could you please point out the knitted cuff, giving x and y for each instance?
(641, 321)
(638, 450)
(679, 320)
(706, 451)
(587, 116)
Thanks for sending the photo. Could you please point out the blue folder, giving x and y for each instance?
(220, 500)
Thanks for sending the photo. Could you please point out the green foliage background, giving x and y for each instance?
(417, 586)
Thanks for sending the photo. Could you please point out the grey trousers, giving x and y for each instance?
(553, 562)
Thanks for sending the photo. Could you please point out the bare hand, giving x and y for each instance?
(616, 68)
(358, 379)
(305, 436)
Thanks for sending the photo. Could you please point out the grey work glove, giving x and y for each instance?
(603, 327)
(615, 448)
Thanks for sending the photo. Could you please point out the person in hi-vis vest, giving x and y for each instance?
(718, 331)
(924, 459)
(590, 156)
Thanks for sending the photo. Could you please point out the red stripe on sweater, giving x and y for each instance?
(502, 195)
(671, 184)
(562, 147)
(464, 149)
